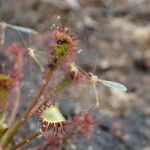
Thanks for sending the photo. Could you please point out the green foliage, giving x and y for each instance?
(61, 50)
(5, 83)
(52, 114)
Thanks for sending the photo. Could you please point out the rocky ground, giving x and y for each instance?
(118, 32)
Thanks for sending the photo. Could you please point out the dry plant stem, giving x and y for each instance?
(3, 119)
(8, 137)
(15, 106)
(25, 140)
(3, 116)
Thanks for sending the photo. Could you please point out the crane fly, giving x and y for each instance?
(93, 79)
(4, 25)
(32, 54)
(39, 57)
(111, 84)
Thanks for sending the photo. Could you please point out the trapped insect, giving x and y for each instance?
(37, 57)
(4, 25)
(93, 79)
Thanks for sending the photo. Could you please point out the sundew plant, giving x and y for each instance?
(51, 120)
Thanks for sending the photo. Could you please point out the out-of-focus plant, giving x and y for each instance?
(51, 119)
(81, 126)
(5, 85)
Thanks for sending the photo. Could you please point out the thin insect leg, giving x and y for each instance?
(96, 94)
(26, 45)
(36, 59)
(31, 53)
(41, 66)
(30, 68)
(30, 57)
(23, 40)
(2, 36)
(90, 88)
(30, 39)
(97, 58)
(83, 71)
(38, 62)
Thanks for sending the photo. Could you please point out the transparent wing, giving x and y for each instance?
(23, 29)
(42, 57)
(114, 85)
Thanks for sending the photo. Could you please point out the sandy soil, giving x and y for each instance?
(118, 32)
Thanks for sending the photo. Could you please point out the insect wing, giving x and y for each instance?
(23, 29)
(114, 85)
(41, 56)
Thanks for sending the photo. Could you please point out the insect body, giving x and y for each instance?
(37, 57)
(111, 84)
(93, 79)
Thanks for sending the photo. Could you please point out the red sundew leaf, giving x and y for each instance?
(62, 34)
(83, 124)
(51, 118)
(15, 48)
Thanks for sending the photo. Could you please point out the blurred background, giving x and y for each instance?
(117, 32)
